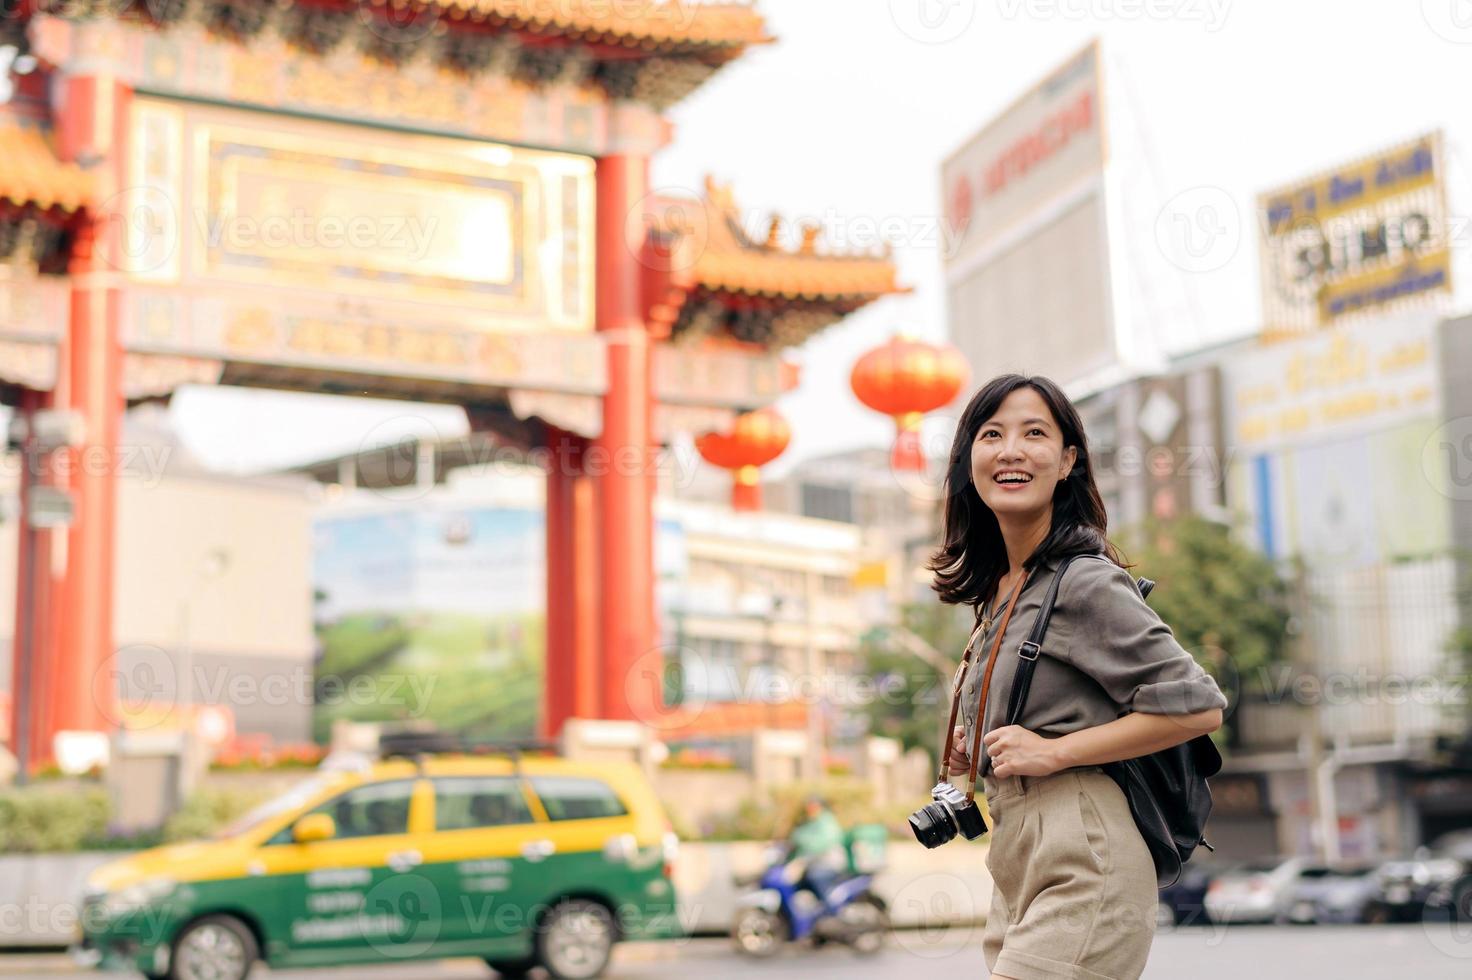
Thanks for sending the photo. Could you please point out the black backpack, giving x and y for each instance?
(1167, 790)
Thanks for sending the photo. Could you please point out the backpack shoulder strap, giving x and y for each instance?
(1028, 653)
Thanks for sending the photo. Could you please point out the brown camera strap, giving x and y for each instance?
(986, 683)
(986, 680)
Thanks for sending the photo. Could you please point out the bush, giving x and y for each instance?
(253, 758)
(772, 818)
(62, 819)
(678, 823)
(209, 809)
(38, 819)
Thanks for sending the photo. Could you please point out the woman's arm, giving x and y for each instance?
(1015, 751)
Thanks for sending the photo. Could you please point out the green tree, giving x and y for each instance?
(912, 674)
(1226, 602)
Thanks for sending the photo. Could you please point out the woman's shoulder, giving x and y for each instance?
(1092, 578)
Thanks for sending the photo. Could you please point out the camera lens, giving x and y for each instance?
(932, 825)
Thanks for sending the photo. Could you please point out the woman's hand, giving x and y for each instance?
(960, 759)
(1015, 751)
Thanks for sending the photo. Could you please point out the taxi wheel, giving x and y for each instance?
(576, 939)
(216, 947)
(513, 968)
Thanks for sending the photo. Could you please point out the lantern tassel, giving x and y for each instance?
(746, 490)
(908, 455)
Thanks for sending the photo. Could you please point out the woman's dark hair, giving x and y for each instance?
(973, 557)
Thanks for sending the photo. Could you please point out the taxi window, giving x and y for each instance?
(464, 802)
(575, 798)
(365, 811)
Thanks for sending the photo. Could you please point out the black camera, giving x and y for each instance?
(937, 823)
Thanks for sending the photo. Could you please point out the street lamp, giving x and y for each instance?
(771, 655)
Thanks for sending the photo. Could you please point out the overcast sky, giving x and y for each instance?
(846, 118)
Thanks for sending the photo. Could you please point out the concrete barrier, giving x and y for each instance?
(40, 894)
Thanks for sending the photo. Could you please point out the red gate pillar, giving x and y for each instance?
(571, 686)
(620, 458)
(92, 131)
(31, 654)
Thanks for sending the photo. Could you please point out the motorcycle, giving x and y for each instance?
(782, 908)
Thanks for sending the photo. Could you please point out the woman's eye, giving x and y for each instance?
(1035, 432)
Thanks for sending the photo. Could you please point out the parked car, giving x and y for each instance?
(520, 862)
(1184, 903)
(1256, 892)
(1451, 896)
(1331, 894)
(1404, 886)
(1455, 844)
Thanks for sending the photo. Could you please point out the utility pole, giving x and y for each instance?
(817, 751)
(20, 685)
(1319, 773)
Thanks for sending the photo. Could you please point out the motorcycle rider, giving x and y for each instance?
(818, 848)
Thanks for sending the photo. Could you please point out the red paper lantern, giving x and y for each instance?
(904, 379)
(756, 438)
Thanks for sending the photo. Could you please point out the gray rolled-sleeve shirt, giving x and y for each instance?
(1106, 654)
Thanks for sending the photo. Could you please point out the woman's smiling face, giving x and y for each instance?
(1018, 456)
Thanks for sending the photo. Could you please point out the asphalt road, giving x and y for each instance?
(1236, 952)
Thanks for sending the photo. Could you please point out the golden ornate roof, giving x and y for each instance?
(714, 250)
(658, 23)
(31, 175)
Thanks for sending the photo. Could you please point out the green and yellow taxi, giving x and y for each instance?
(522, 862)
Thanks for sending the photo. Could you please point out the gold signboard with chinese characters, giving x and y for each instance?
(491, 236)
(358, 338)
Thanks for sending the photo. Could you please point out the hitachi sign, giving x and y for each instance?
(1041, 143)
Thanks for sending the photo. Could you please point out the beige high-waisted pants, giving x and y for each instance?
(1074, 894)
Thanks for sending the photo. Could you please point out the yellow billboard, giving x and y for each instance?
(1366, 237)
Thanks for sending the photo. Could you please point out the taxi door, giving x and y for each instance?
(359, 895)
(482, 859)
(587, 843)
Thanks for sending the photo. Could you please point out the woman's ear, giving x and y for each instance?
(1070, 458)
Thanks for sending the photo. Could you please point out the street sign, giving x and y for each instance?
(56, 428)
(48, 507)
